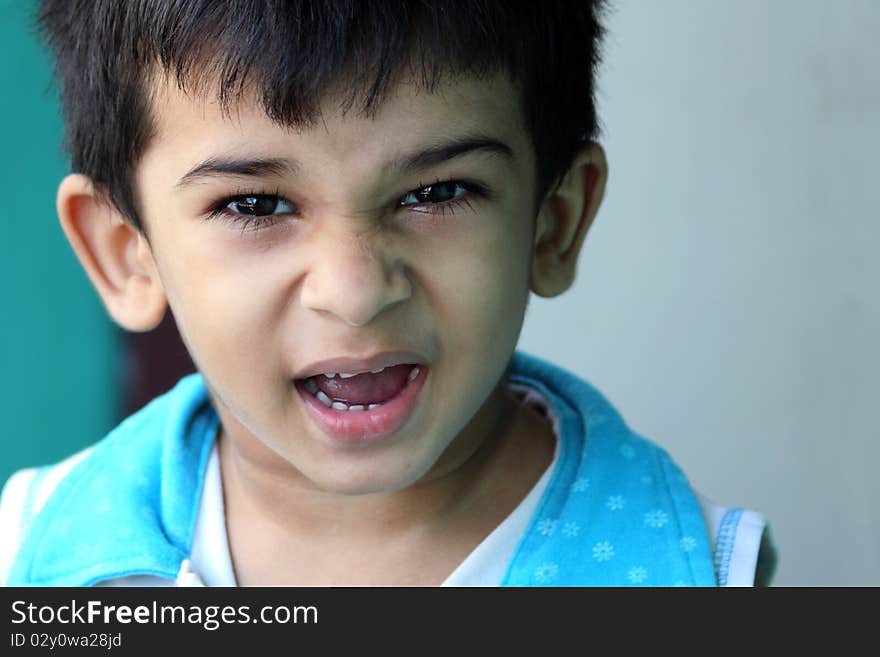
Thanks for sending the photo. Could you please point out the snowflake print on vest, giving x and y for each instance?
(547, 526)
(615, 503)
(571, 529)
(546, 573)
(656, 518)
(603, 551)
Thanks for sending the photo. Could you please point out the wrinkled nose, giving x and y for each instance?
(355, 279)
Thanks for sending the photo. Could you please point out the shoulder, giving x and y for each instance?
(609, 467)
(27, 491)
(22, 497)
(744, 553)
(125, 507)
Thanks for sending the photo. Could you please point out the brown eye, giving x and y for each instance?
(441, 192)
(260, 205)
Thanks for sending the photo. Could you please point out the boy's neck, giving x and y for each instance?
(480, 479)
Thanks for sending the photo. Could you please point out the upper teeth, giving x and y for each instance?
(347, 375)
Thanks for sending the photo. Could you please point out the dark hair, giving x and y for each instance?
(289, 52)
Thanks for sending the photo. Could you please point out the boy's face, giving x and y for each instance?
(356, 256)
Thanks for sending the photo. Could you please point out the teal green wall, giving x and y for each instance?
(58, 349)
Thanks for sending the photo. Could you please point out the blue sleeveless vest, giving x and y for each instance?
(616, 512)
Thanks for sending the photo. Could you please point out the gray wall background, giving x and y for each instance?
(726, 299)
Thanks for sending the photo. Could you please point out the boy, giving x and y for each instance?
(347, 205)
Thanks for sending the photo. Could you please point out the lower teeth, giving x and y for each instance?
(338, 405)
(342, 406)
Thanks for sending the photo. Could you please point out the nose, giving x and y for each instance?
(355, 278)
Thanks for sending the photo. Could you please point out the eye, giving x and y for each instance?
(439, 196)
(259, 205)
(253, 210)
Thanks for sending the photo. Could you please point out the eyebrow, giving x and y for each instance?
(430, 156)
(421, 159)
(230, 166)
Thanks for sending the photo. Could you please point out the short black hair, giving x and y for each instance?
(289, 52)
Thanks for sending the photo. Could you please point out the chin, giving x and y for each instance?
(367, 481)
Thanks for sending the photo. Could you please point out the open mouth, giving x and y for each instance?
(366, 391)
(357, 406)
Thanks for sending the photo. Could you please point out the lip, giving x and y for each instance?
(359, 365)
(350, 428)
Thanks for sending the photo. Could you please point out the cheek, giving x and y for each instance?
(222, 302)
(481, 280)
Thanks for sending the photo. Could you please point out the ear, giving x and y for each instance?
(116, 257)
(563, 220)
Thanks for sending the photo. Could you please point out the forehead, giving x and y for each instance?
(188, 127)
